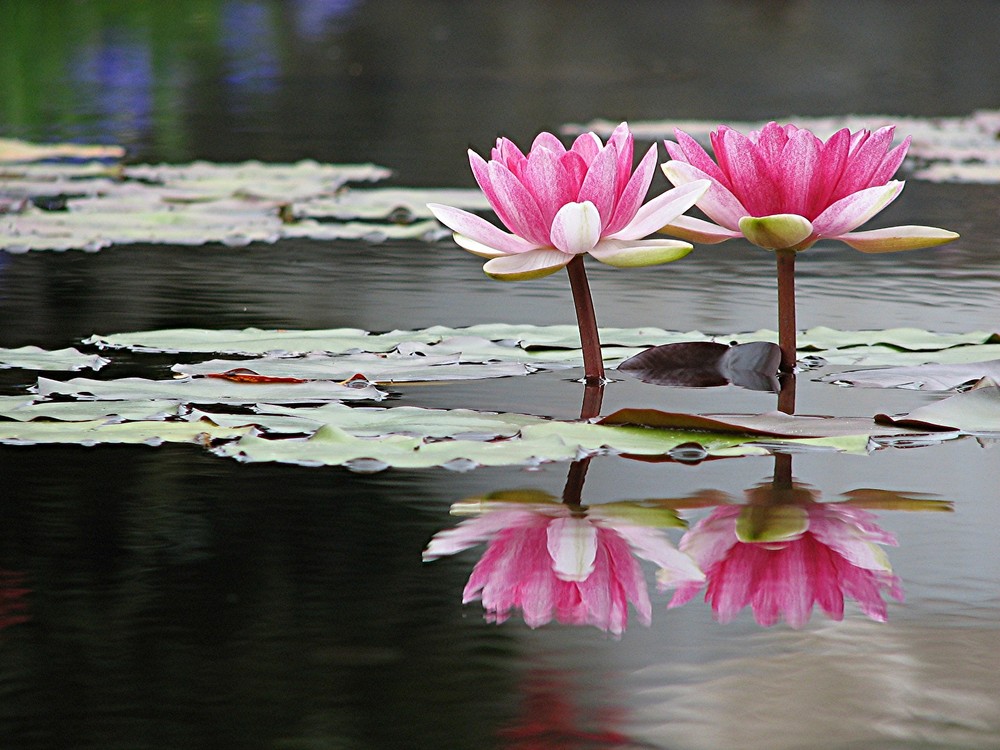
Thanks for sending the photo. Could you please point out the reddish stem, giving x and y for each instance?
(593, 363)
(786, 308)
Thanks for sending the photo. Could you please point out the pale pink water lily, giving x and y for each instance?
(782, 187)
(559, 203)
(551, 561)
(833, 554)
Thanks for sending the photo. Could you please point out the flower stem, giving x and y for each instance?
(593, 363)
(786, 308)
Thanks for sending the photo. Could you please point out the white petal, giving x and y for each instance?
(576, 227)
(698, 230)
(639, 252)
(477, 248)
(572, 545)
(662, 210)
(530, 265)
(719, 204)
(893, 239)
(776, 232)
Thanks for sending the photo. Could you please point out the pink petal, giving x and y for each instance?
(530, 265)
(599, 186)
(524, 218)
(718, 203)
(547, 141)
(894, 239)
(624, 144)
(854, 210)
(832, 160)
(587, 145)
(691, 229)
(798, 164)
(663, 209)
(633, 193)
(689, 150)
(863, 162)
(547, 181)
(891, 163)
(481, 171)
(749, 174)
(478, 230)
(575, 169)
(576, 228)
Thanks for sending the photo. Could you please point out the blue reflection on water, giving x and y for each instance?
(248, 39)
(116, 73)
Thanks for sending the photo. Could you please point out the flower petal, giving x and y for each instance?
(546, 179)
(478, 231)
(854, 210)
(599, 186)
(530, 265)
(797, 165)
(635, 253)
(520, 214)
(633, 193)
(776, 232)
(698, 230)
(894, 239)
(572, 545)
(663, 209)
(689, 150)
(718, 203)
(576, 228)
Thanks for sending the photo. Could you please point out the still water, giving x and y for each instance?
(165, 598)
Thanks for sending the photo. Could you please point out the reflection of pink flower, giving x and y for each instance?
(550, 562)
(13, 608)
(833, 556)
(559, 203)
(783, 188)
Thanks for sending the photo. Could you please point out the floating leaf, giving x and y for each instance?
(392, 204)
(207, 390)
(881, 355)
(386, 368)
(14, 151)
(938, 377)
(973, 411)
(26, 408)
(34, 358)
(703, 364)
(101, 431)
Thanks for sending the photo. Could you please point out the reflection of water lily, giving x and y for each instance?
(555, 561)
(782, 560)
(13, 607)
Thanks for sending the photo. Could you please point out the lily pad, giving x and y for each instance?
(207, 390)
(27, 408)
(939, 377)
(13, 151)
(974, 411)
(35, 358)
(101, 431)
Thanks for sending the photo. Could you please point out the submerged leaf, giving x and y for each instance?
(702, 364)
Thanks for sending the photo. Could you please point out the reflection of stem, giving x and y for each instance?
(593, 396)
(574, 482)
(782, 471)
(786, 308)
(593, 363)
(786, 394)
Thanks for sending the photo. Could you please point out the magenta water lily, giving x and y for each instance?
(784, 189)
(561, 204)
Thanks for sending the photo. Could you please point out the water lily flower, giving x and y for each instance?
(784, 189)
(815, 554)
(553, 561)
(560, 204)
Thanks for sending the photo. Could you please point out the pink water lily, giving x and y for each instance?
(784, 188)
(559, 203)
(552, 562)
(829, 551)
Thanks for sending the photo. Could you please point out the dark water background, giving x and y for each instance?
(178, 600)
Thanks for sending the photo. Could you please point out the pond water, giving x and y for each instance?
(167, 598)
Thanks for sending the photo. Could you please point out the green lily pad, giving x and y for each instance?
(974, 411)
(26, 408)
(939, 377)
(13, 151)
(34, 358)
(207, 390)
(100, 431)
